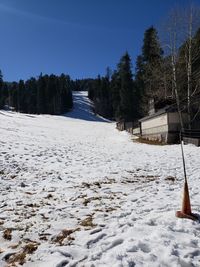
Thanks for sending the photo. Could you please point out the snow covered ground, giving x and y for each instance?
(74, 191)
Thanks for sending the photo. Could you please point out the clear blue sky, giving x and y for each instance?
(78, 37)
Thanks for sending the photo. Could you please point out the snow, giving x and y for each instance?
(84, 194)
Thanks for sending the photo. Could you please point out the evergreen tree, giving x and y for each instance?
(31, 96)
(14, 95)
(21, 97)
(41, 103)
(151, 50)
(150, 68)
(105, 108)
(5, 94)
(126, 106)
(115, 92)
(140, 85)
(65, 93)
(47, 94)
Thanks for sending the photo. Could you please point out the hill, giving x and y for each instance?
(76, 192)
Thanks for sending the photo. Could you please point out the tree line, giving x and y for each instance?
(168, 73)
(48, 94)
(115, 96)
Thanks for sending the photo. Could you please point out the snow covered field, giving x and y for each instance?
(76, 192)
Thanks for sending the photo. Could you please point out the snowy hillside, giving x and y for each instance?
(76, 192)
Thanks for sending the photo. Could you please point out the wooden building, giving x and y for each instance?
(162, 126)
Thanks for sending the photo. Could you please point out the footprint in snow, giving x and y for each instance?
(193, 254)
(95, 231)
(115, 243)
(62, 263)
(132, 249)
(144, 247)
(91, 242)
(151, 222)
(134, 200)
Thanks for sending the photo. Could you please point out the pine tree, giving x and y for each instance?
(47, 94)
(140, 85)
(105, 108)
(65, 92)
(151, 50)
(115, 92)
(31, 96)
(6, 94)
(149, 72)
(21, 97)
(41, 102)
(14, 95)
(126, 107)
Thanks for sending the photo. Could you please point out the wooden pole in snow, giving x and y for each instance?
(186, 211)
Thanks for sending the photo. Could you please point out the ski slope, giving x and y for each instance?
(74, 191)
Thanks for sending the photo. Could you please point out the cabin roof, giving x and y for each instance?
(161, 111)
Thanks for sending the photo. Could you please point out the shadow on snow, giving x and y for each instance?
(82, 109)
